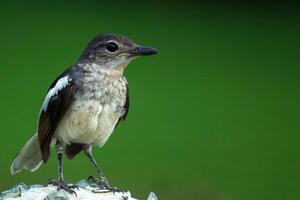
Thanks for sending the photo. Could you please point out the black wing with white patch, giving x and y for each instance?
(59, 98)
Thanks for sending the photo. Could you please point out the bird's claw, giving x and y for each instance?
(103, 185)
(68, 188)
(62, 185)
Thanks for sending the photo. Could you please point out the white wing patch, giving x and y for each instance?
(61, 84)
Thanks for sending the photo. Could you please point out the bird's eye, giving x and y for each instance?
(112, 47)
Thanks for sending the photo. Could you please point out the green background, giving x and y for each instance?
(214, 116)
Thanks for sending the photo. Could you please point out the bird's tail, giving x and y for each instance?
(29, 158)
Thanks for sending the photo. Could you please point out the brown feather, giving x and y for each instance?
(73, 149)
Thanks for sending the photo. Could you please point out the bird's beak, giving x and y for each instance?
(142, 51)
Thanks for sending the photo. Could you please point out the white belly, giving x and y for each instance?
(87, 122)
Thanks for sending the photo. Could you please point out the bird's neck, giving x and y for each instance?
(95, 68)
(105, 85)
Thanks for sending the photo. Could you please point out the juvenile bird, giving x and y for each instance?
(83, 106)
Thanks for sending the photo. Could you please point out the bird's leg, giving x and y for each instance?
(103, 183)
(61, 184)
(88, 153)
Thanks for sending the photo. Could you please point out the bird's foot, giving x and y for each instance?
(103, 185)
(62, 185)
(68, 188)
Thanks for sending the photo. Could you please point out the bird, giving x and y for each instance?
(83, 106)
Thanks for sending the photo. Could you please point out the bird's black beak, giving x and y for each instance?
(142, 51)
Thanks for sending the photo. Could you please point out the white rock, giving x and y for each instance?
(82, 194)
(152, 196)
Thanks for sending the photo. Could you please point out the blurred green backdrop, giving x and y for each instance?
(214, 116)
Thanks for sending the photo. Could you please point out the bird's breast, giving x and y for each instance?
(94, 114)
(105, 87)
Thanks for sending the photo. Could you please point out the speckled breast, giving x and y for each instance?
(95, 112)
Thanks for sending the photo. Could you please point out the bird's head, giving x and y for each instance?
(113, 51)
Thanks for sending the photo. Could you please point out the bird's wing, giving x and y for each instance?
(59, 98)
(126, 107)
